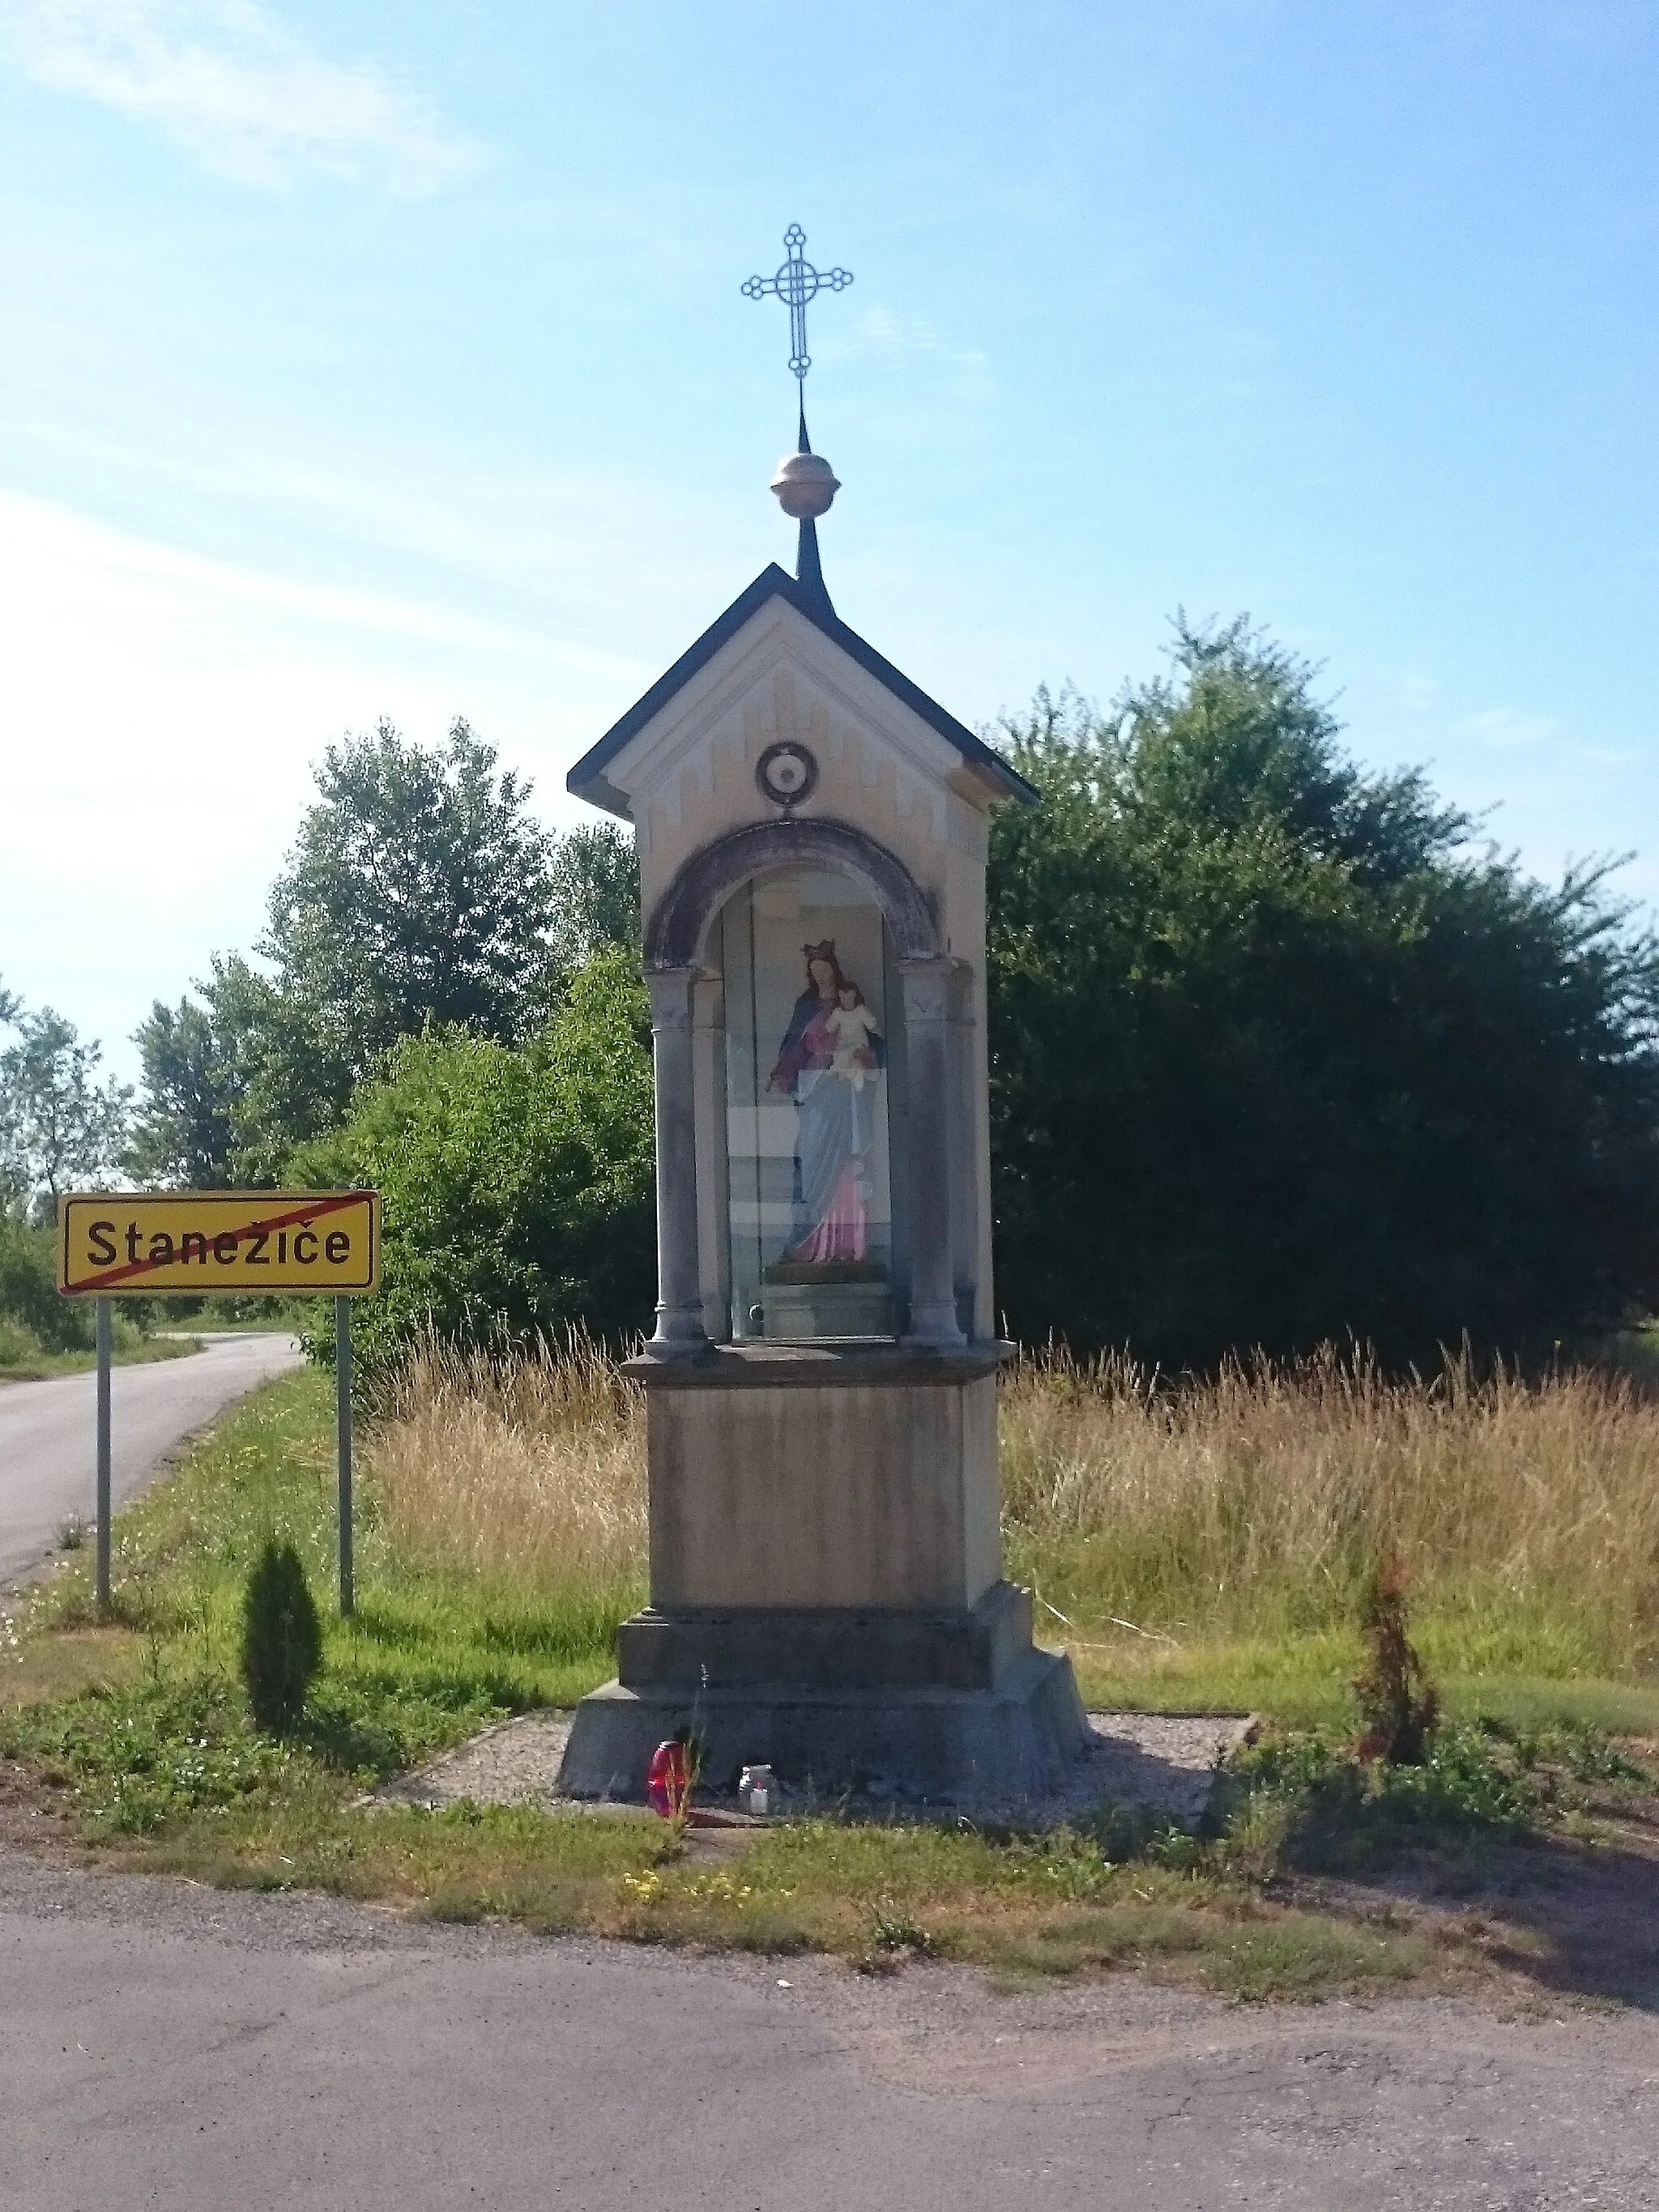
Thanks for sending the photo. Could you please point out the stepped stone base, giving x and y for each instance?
(945, 1707)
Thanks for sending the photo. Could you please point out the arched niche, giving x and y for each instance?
(805, 1130)
(678, 927)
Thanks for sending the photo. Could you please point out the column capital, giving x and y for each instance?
(671, 992)
(926, 985)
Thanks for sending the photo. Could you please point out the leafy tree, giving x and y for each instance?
(517, 1182)
(1278, 1053)
(59, 1124)
(285, 1066)
(418, 891)
(185, 1132)
(594, 879)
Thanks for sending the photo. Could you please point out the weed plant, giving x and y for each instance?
(525, 1469)
(1398, 1706)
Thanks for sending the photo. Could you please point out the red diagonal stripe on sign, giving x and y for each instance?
(325, 1203)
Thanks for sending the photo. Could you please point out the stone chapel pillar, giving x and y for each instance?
(679, 1290)
(927, 1030)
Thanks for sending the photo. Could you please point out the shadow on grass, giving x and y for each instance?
(1539, 1853)
(560, 1631)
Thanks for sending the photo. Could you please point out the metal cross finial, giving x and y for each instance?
(798, 281)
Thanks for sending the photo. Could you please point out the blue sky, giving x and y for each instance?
(390, 359)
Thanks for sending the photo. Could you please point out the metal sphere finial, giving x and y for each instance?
(806, 485)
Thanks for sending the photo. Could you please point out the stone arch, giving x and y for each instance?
(675, 933)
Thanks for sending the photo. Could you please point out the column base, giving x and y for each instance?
(920, 1707)
(957, 1747)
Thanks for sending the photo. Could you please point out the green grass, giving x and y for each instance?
(24, 1358)
(141, 1725)
(218, 1316)
(426, 1657)
(1303, 1678)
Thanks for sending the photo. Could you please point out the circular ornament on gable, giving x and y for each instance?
(786, 774)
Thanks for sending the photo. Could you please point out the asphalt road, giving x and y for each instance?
(48, 1442)
(164, 2045)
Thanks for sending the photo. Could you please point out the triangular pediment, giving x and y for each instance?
(779, 664)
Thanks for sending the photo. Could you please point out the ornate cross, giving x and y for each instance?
(798, 281)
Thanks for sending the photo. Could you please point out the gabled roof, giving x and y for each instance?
(588, 780)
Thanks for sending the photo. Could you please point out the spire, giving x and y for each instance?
(805, 484)
(808, 571)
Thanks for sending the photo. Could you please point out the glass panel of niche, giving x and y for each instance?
(804, 958)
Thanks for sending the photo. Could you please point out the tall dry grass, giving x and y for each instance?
(1525, 1510)
(1263, 1498)
(528, 1466)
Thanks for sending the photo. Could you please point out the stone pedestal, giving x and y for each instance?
(825, 1586)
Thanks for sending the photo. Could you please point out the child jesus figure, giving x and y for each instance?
(853, 1025)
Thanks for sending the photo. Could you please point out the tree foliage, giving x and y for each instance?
(594, 878)
(416, 891)
(61, 1123)
(517, 1182)
(185, 1132)
(419, 891)
(1280, 1052)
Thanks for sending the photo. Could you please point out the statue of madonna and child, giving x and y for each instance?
(831, 1054)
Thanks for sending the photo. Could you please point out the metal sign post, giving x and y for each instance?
(343, 1443)
(138, 1244)
(106, 1337)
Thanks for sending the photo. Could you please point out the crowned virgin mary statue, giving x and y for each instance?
(829, 1063)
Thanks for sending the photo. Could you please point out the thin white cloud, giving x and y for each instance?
(913, 337)
(159, 715)
(224, 82)
(1504, 728)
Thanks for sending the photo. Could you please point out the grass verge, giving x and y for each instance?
(139, 1730)
(23, 1359)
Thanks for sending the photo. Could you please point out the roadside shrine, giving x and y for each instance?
(305, 1243)
(826, 1592)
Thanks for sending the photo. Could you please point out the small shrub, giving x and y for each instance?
(895, 1928)
(281, 1638)
(19, 1345)
(28, 1292)
(1309, 1801)
(1398, 1705)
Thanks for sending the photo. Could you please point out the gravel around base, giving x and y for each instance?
(1152, 1760)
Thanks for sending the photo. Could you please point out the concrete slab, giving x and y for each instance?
(1163, 1761)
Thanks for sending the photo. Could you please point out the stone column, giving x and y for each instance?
(679, 1292)
(965, 1180)
(713, 1192)
(928, 1060)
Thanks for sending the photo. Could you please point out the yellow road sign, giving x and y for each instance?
(110, 1243)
